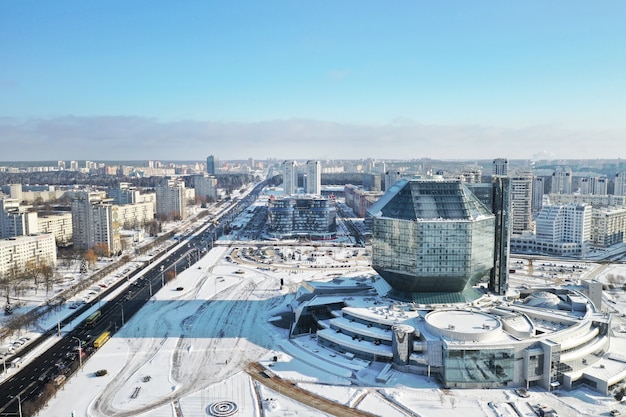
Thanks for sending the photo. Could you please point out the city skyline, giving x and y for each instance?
(161, 80)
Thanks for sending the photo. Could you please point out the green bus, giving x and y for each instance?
(93, 318)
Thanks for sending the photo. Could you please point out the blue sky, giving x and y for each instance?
(345, 79)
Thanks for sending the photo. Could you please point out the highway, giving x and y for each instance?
(27, 390)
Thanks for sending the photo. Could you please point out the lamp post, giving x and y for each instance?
(19, 404)
(80, 351)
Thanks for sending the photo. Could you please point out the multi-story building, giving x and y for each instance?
(205, 186)
(593, 185)
(359, 200)
(16, 220)
(17, 252)
(125, 193)
(608, 226)
(500, 166)
(538, 193)
(290, 177)
(593, 200)
(372, 182)
(133, 216)
(171, 199)
(620, 183)
(310, 217)
(432, 240)
(59, 225)
(563, 230)
(561, 181)
(390, 179)
(95, 222)
(211, 165)
(313, 178)
(521, 202)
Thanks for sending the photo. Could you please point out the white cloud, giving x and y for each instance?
(131, 138)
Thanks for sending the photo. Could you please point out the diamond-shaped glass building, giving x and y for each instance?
(432, 240)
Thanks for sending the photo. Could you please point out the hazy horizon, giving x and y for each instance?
(323, 80)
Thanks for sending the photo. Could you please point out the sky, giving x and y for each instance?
(292, 79)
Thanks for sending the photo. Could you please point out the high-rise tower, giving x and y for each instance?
(500, 166)
(290, 177)
(313, 177)
(211, 164)
(562, 181)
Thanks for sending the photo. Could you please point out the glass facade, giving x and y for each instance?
(311, 217)
(432, 236)
(475, 368)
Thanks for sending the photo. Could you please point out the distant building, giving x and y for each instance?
(500, 166)
(16, 220)
(593, 200)
(372, 182)
(205, 186)
(58, 224)
(307, 217)
(95, 222)
(521, 202)
(620, 183)
(538, 192)
(211, 165)
(171, 199)
(593, 185)
(561, 181)
(360, 200)
(313, 178)
(124, 193)
(290, 177)
(390, 179)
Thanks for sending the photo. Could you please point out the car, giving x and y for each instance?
(522, 393)
(615, 412)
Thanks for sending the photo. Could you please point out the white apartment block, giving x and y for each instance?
(521, 203)
(313, 178)
(171, 199)
(59, 225)
(133, 216)
(16, 220)
(95, 221)
(290, 177)
(608, 226)
(16, 252)
(564, 229)
(562, 181)
(620, 183)
(593, 185)
(594, 200)
(205, 186)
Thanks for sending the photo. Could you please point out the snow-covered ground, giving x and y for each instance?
(185, 354)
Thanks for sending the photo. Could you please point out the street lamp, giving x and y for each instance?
(80, 351)
(19, 404)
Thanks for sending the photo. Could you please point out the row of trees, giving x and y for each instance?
(35, 273)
